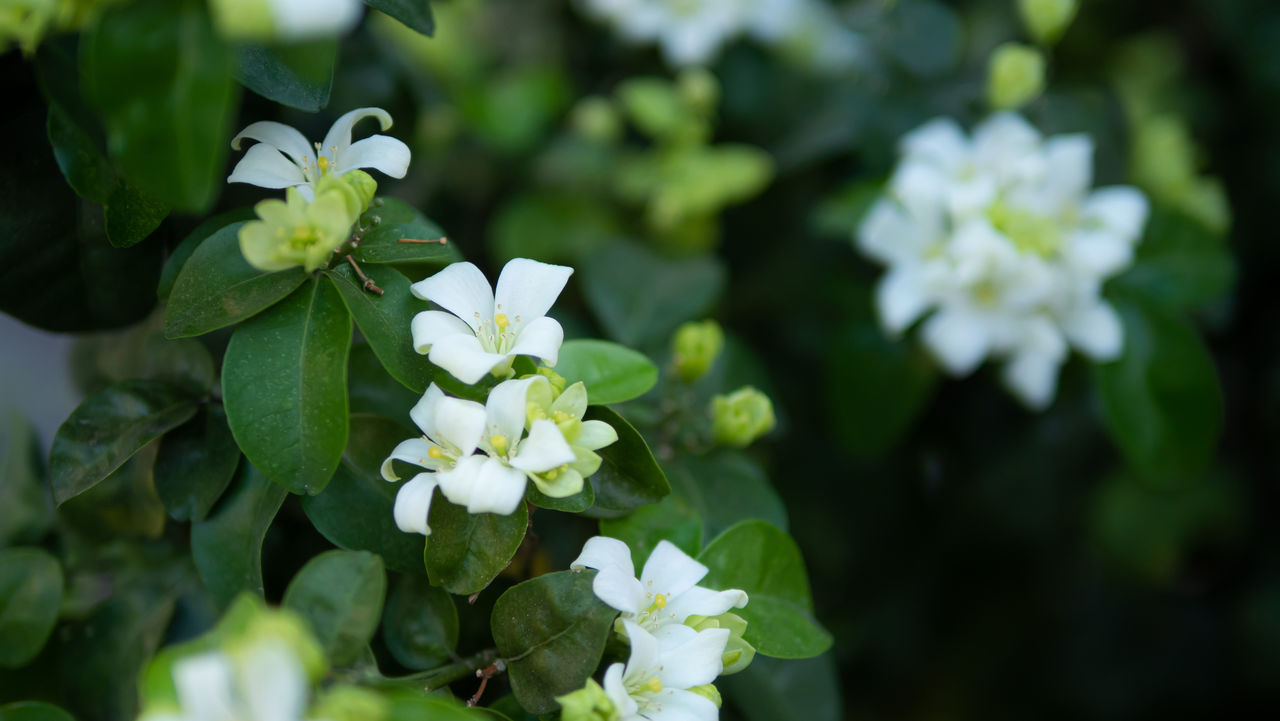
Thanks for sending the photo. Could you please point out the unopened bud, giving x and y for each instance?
(589, 703)
(1015, 76)
(741, 417)
(1046, 20)
(696, 346)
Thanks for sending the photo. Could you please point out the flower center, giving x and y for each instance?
(1029, 232)
(654, 685)
(435, 453)
(499, 443)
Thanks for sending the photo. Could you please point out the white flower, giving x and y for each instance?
(480, 333)
(453, 429)
(282, 157)
(999, 241)
(690, 32)
(666, 592)
(653, 686)
(263, 682)
(287, 20)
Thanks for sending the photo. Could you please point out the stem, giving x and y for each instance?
(445, 675)
(369, 285)
(441, 240)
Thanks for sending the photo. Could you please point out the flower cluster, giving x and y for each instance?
(691, 32)
(1001, 242)
(529, 429)
(682, 637)
(325, 192)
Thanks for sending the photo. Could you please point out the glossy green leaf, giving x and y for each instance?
(161, 78)
(122, 505)
(551, 227)
(766, 563)
(24, 496)
(552, 631)
(781, 690)
(640, 297)
(179, 256)
(420, 626)
(217, 287)
(131, 216)
(284, 385)
(466, 551)
(142, 351)
(356, 510)
(874, 405)
(82, 162)
(298, 75)
(372, 390)
(415, 14)
(1161, 400)
(33, 711)
(385, 320)
(577, 503)
(725, 487)
(1180, 264)
(340, 593)
(671, 519)
(108, 428)
(612, 373)
(382, 245)
(30, 593)
(227, 546)
(195, 465)
(629, 476)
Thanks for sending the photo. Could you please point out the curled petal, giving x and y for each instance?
(413, 504)
(265, 167)
(699, 601)
(338, 139)
(279, 136)
(527, 289)
(460, 289)
(416, 451)
(380, 152)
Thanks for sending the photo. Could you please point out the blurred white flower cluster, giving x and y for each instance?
(692, 32)
(1000, 241)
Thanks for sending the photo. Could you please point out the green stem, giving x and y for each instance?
(444, 675)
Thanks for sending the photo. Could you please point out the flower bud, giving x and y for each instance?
(695, 348)
(596, 119)
(1046, 20)
(589, 703)
(288, 20)
(738, 654)
(285, 625)
(1015, 76)
(741, 417)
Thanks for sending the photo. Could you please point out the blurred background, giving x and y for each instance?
(973, 559)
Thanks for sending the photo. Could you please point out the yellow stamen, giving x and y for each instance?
(660, 601)
(322, 162)
(560, 417)
(552, 474)
(501, 321)
(654, 685)
(499, 442)
(434, 452)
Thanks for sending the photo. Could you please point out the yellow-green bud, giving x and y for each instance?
(695, 347)
(25, 22)
(741, 417)
(709, 692)
(1015, 76)
(1046, 20)
(1164, 156)
(699, 89)
(738, 654)
(589, 703)
(348, 703)
(243, 19)
(557, 380)
(596, 119)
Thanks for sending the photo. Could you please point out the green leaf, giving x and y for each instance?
(640, 298)
(765, 562)
(466, 551)
(132, 216)
(385, 321)
(577, 503)
(27, 512)
(195, 465)
(612, 373)
(284, 385)
(179, 256)
(123, 505)
(217, 287)
(227, 546)
(340, 593)
(161, 79)
(33, 711)
(393, 210)
(415, 14)
(781, 690)
(924, 36)
(671, 519)
(30, 593)
(141, 352)
(108, 428)
(1180, 264)
(382, 245)
(356, 510)
(299, 75)
(373, 390)
(876, 388)
(629, 476)
(1161, 400)
(79, 157)
(552, 631)
(420, 626)
(725, 487)
(552, 227)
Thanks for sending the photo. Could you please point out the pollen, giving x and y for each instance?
(322, 162)
(501, 321)
(498, 441)
(434, 452)
(660, 600)
(654, 684)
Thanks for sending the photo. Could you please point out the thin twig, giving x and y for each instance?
(441, 240)
(484, 674)
(369, 285)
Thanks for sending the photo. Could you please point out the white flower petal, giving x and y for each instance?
(940, 141)
(1096, 330)
(1099, 253)
(670, 571)
(646, 654)
(303, 19)
(540, 338)
(958, 339)
(690, 659)
(463, 356)
(605, 554)
(675, 704)
(458, 482)
(506, 408)
(902, 296)
(545, 448)
(430, 326)
(338, 139)
(380, 152)
(423, 412)
(415, 451)
(596, 435)
(617, 692)
(279, 136)
(1033, 378)
(527, 289)
(266, 167)
(273, 682)
(460, 289)
(460, 423)
(699, 601)
(1069, 168)
(498, 489)
(203, 684)
(413, 503)
(1120, 209)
